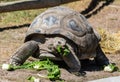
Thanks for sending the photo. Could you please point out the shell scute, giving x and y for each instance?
(65, 22)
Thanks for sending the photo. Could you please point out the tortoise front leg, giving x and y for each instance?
(72, 61)
(22, 53)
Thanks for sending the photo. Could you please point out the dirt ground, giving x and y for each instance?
(90, 71)
(105, 15)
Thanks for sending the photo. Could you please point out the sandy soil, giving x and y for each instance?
(89, 71)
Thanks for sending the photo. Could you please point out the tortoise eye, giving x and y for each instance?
(49, 21)
(74, 26)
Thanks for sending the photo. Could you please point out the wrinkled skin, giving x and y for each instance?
(47, 50)
(67, 28)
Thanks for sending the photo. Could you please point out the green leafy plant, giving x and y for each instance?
(52, 69)
(7, 67)
(111, 68)
(33, 79)
(53, 73)
(63, 51)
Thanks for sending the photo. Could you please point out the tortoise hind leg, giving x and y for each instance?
(100, 58)
(22, 53)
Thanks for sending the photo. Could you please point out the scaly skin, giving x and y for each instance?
(22, 53)
(32, 48)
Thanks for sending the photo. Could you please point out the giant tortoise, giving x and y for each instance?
(59, 29)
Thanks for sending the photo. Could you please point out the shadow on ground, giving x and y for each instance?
(14, 27)
(86, 65)
(92, 8)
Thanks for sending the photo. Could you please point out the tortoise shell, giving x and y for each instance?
(66, 22)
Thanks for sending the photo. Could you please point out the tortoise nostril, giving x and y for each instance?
(59, 42)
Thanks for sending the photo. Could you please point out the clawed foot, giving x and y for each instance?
(77, 73)
(14, 63)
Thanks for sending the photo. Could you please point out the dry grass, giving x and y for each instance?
(110, 42)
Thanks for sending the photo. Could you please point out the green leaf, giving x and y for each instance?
(111, 68)
(31, 78)
(66, 52)
(7, 67)
(54, 73)
(52, 69)
(63, 51)
(59, 48)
